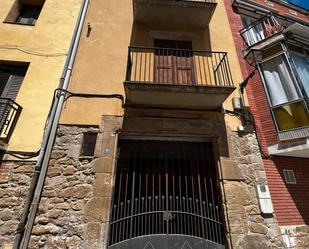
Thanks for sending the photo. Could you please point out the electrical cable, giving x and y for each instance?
(28, 51)
(252, 122)
(23, 154)
(29, 155)
(263, 154)
(90, 95)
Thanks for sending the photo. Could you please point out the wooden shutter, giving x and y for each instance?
(10, 82)
(13, 84)
(4, 77)
(174, 62)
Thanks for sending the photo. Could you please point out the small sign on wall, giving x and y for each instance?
(265, 199)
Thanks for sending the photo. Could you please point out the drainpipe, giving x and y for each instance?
(37, 183)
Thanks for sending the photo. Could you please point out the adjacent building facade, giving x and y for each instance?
(272, 41)
(156, 146)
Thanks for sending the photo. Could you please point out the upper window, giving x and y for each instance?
(254, 33)
(285, 97)
(25, 12)
(279, 80)
(301, 62)
(11, 78)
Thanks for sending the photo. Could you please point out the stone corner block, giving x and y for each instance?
(230, 170)
(103, 165)
(111, 123)
(97, 209)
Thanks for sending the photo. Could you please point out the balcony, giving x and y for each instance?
(176, 12)
(177, 78)
(270, 29)
(9, 114)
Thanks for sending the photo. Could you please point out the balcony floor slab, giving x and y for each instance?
(196, 13)
(176, 96)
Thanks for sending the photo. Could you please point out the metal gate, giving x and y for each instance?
(165, 197)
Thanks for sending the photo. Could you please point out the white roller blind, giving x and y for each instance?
(280, 84)
(302, 66)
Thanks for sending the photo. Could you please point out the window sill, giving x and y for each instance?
(291, 148)
(18, 23)
(88, 158)
(294, 134)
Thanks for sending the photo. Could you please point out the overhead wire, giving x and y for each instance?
(31, 52)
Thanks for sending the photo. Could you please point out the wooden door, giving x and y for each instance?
(174, 62)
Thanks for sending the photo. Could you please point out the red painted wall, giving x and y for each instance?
(291, 202)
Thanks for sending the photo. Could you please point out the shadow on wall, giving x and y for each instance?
(291, 201)
(177, 123)
(145, 34)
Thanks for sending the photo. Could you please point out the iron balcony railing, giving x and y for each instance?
(264, 28)
(9, 114)
(178, 66)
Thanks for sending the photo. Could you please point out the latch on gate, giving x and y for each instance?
(168, 216)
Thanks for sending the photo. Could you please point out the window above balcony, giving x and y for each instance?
(268, 30)
(177, 77)
(176, 12)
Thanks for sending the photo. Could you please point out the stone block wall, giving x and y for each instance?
(15, 177)
(75, 204)
(248, 227)
(69, 187)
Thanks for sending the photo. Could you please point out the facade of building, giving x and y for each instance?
(272, 40)
(155, 146)
(149, 152)
(34, 43)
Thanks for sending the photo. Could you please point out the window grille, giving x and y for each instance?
(289, 176)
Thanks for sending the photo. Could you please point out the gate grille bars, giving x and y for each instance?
(165, 188)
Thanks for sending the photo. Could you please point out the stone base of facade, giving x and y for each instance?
(249, 227)
(15, 177)
(75, 205)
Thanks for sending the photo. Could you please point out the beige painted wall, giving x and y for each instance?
(51, 35)
(101, 62)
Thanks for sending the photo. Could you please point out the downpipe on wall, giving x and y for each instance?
(25, 225)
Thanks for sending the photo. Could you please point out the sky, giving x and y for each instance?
(301, 3)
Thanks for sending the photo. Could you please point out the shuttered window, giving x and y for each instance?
(4, 78)
(11, 79)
